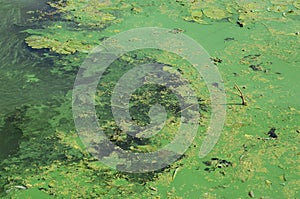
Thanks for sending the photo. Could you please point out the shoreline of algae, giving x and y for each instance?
(265, 167)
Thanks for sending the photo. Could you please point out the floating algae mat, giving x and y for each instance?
(255, 47)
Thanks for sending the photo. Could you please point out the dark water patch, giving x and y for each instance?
(25, 75)
(10, 135)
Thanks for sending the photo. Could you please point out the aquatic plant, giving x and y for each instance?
(70, 35)
(248, 161)
(246, 12)
(92, 13)
(40, 42)
(216, 13)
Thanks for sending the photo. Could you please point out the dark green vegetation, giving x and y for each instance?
(254, 44)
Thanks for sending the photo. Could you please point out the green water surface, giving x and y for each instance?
(258, 45)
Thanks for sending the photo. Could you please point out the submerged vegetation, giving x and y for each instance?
(254, 44)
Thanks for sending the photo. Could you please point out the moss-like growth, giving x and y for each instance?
(69, 35)
(93, 13)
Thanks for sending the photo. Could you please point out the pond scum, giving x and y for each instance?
(257, 46)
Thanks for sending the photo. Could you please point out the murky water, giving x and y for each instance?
(25, 77)
(261, 57)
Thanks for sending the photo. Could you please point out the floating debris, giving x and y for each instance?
(244, 102)
(252, 57)
(177, 30)
(256, 67)
(227, 39)
(251, 194)
(20, 187)
(268, 182)
(152, 188)
(272, 133)
(216, 163)
(216, 60)
(215, 84)
(175, 173)
(16, 187)
(241, 23)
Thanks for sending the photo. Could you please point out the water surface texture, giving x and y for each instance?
(255, 47)
(25, 77)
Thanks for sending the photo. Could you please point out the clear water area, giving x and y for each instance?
(261, 167)
(24, 77)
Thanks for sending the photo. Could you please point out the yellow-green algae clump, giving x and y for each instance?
(89, 13)
(78, 31)
(245, 11)
(61, 40)
(40, 42)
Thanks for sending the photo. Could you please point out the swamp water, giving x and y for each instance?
(25, 76)
(255, 45)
